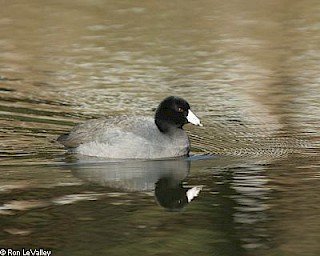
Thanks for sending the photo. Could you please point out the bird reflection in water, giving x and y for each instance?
(163, 177)
(172, 195)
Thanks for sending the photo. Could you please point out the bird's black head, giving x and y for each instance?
(174, 112)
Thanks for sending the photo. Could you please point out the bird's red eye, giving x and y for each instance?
(180, 110)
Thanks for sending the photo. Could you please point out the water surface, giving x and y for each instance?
(249, 69)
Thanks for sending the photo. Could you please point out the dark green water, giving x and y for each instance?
(249, 69)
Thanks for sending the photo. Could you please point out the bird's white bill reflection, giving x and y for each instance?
(193, 192)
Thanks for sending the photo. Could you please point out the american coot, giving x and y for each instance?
(136, 137)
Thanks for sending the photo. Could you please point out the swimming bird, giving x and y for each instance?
(132, 137)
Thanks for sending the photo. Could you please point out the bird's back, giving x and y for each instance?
(125, 137)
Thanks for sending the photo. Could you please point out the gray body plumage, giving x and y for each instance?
(126, 137)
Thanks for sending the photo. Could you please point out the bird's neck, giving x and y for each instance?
(165, 127)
